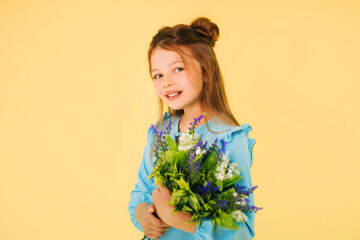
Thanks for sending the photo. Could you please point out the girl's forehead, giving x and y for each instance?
(160, 53)
(164, 57)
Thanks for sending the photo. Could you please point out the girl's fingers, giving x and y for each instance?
(150, 208)
(155, 233)
(152, 236)
(157, 228)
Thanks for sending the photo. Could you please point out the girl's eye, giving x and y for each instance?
(180, 69)
(156, 76)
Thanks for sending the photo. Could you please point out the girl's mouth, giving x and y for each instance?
(173, 95)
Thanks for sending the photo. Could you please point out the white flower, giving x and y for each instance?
(187, 140)
(228, 175)
(239, 216)
(220, 176)
(240, 202)
(235, 194)
(198, 151)
(227, 170)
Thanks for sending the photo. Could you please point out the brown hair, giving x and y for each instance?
(196, 41)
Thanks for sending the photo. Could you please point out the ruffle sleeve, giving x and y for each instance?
(246, 128)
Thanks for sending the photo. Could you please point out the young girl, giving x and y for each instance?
(188, 80)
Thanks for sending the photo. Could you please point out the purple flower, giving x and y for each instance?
(154, 129)
(197, 120)
(191, 157)
(193, 124)
(222, 204)
(215, 142)
(207, 189)
(253, 188)
(168, 128)
(222, 149)
(198, 144)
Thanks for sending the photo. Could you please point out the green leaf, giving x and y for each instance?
(228, 193)
(151, 175)
(184, 184)
(231, 181)
(210, 161)
(207, 207)
(195, 217)
(228, 222)
(172, 145)
(179, 196)
(187, 209)
(199, 198)
(194, 203)
(213, 223)
(179, 193)
(181, 157)
(170, 156)
(217, 220)
(176, 210)
(219, 183)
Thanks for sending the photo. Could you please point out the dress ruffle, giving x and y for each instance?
(246, 128)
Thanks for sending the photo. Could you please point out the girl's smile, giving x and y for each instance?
(172, 95)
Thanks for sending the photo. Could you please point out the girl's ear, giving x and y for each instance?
(206, 78)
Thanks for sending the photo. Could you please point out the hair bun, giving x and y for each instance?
(206, 27)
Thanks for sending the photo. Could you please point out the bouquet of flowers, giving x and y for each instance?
(200, 178)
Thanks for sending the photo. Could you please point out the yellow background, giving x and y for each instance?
(76, 101)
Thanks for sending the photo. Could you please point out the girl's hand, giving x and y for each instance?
(160, 197)
(152, 226)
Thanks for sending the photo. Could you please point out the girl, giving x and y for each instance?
(188, 80)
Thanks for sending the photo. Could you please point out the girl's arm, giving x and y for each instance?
(161, 196)
(141, 194)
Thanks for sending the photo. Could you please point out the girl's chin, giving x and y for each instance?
(174, 107)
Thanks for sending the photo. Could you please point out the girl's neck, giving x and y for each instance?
(186, 118)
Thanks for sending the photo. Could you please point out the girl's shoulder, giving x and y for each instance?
(234, 137)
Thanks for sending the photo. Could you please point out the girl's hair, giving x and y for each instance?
(196, 41)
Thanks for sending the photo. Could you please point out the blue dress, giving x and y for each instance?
(240, 148)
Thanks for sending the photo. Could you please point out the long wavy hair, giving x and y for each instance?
(196, 41)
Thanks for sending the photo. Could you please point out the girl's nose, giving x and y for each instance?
(168, 81)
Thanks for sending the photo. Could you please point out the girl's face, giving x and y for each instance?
(173, 83)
